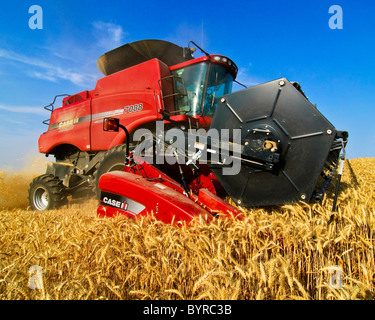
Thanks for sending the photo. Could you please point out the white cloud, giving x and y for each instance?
(10, 55)
(108, 35)
(48, 71)
(43, 76)
(244, 76)
(24, 109)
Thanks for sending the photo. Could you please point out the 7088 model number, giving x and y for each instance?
(133, 108)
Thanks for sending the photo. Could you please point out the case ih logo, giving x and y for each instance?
(114, 200)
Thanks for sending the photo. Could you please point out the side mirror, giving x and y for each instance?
(111, 124)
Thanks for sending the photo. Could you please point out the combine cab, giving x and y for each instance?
(264, 145)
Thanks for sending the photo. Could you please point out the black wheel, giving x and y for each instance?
(46, 192)
(112, 160)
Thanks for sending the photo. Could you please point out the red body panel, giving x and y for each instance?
(133, 95)
(72, 120)
(167, 204)
(143, 109)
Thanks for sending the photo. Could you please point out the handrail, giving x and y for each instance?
(184, 94)
(51, 106)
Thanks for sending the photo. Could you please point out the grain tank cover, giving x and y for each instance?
(137, 52)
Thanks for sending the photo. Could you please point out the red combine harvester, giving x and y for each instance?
(264, 145)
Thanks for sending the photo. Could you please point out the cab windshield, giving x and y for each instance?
(200, 86)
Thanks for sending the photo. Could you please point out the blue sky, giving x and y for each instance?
(267, 39)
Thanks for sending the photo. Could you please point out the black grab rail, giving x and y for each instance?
(51, 106)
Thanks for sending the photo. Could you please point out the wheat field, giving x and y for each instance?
(282, 252)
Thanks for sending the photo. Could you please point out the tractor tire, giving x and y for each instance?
(46, 192)
(111, 160)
